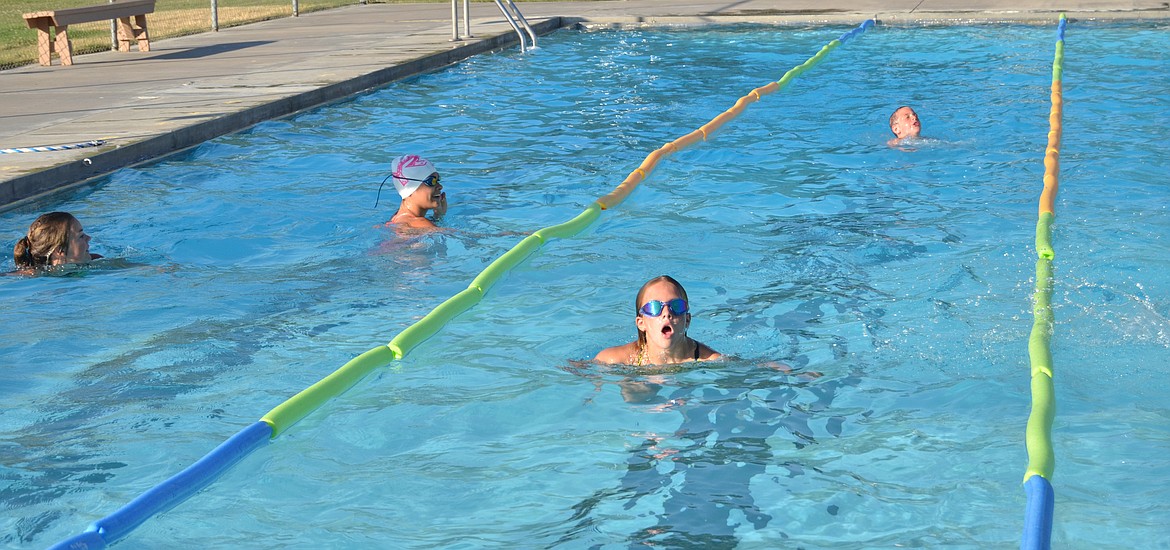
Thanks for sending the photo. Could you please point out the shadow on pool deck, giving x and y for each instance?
(214, 49)
(187, 90)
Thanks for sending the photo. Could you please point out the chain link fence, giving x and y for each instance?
(171, 18)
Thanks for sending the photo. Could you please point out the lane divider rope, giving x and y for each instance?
(176, 489)
(1038, 513)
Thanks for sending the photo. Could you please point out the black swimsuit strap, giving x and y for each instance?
(697, 346)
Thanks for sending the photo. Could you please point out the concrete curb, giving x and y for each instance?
(72, 174)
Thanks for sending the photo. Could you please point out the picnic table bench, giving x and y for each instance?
(123, 11)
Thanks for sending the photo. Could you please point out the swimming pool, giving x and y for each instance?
(904, 277)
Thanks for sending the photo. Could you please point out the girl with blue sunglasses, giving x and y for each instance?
(662, 316)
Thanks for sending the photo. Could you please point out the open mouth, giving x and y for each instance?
(667, 330)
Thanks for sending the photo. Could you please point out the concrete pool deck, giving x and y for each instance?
(145, 105)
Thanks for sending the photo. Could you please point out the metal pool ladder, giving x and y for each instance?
(511, 13)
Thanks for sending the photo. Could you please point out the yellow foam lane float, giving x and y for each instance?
(182, 485)
(1038, 436)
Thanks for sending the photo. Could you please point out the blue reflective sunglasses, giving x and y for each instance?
(654, 308)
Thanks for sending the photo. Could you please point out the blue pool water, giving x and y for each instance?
(252, 266)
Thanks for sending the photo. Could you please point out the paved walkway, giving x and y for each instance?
(190, 89)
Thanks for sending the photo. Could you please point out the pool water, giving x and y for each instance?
(252, 266)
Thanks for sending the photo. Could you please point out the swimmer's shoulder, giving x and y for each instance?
(624, 354)
(412, 221)
(708, 354)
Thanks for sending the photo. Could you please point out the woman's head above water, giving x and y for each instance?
(56, 238)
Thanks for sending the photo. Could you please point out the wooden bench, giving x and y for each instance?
(123, 11)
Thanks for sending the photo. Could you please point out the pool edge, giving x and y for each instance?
(76, 169)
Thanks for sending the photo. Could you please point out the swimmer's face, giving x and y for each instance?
(666, 327)
(904, 123)
(77, 250)
(429, 196)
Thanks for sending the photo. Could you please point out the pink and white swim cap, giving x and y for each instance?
(409, 171)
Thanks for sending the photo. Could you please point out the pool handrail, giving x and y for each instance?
(175, 489)
(512, 14)
(1037, 532)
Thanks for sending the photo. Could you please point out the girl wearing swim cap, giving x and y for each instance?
(662, 315)
(417, 182)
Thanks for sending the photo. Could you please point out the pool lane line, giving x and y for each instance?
(171, 492)
(174, 490)
(1038, 435)
(705, 131)
(308, 400)
(300, 405)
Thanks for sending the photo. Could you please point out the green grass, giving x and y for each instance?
(18, 43)
(171, 18)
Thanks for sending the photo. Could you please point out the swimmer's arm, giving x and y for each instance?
(776, 365)
(810, 375)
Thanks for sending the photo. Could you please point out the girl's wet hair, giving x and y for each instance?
(49, 233)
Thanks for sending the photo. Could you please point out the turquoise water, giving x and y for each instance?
(902, 277)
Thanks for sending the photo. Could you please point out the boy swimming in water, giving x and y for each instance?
(904, 124)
